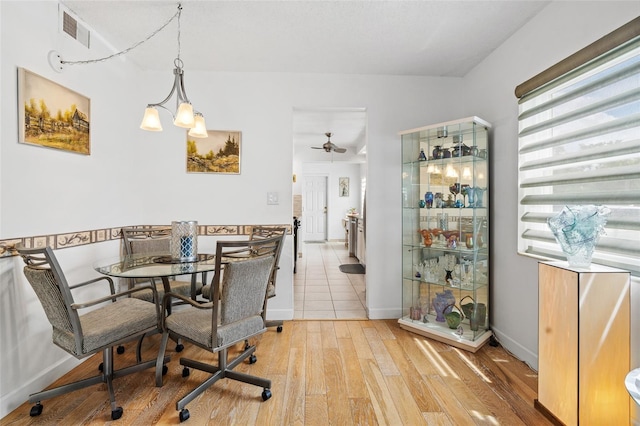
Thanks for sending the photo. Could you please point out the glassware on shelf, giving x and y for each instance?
(422, 156)
(464, 191)
(443, 221)
(479, 194)
(471, 192)
(437, 152)
(469, 240)
(428, 198)
(454, 188)
(438, 200)
(454, 318)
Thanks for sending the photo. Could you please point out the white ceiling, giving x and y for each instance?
(428, 38)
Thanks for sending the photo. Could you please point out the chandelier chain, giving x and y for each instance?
(130, 48)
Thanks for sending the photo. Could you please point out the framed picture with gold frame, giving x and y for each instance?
(51, 115)
(217, 153)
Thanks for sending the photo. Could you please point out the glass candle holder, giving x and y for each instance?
(184, 240)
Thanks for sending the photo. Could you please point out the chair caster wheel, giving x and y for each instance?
(266, 394)
(179, 347)
(120, 350)
(184, 415)
(101, 367)
(246, 345)
(185, 373)
(116, 414)
(253, 359)
(36, 410)
(279, 329)
(165, 370)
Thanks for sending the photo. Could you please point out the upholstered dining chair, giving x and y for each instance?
(157, 239)
(112, 320)
(234, 315)
(260, 233)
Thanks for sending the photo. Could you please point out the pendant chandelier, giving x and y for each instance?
(185, 116)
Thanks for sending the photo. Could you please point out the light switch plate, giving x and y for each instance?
(272, 198)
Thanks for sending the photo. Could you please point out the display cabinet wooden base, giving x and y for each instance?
(583, 344)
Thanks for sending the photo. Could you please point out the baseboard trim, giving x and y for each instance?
(516, 349)
(279, 314)
(384, 313)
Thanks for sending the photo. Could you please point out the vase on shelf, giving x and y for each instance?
(428, 198)
(453, 318)
(437, 152)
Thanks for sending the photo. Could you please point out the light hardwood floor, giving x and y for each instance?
(323, 373)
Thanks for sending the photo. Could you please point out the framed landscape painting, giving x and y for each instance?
(52, 115)
(217, 153)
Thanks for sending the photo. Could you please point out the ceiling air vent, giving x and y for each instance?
(71, 26)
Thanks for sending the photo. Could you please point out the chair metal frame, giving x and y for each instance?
(44, 259)
(259, 233)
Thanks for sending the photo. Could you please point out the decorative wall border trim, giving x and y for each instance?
(74, 239)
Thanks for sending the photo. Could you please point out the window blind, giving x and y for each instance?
(579, 144)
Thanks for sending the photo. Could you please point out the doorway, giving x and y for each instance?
(329, 174)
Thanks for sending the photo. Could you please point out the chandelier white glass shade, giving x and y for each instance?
(184, 116)
(200, 129)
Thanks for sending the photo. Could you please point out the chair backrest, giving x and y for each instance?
(265, 232)
(43, 272)
(242, 288)
(146, 239)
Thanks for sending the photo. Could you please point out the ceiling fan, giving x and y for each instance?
(329, 146)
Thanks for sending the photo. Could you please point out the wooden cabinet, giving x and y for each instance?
(583, 344)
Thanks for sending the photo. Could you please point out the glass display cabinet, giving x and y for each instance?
(445, 232)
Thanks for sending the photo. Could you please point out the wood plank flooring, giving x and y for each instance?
(323, 373)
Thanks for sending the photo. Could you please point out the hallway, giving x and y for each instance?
(321, 290)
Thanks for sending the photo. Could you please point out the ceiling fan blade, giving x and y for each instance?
(340, 150)
(317, 147)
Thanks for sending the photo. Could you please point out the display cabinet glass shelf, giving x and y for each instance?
(445, 232)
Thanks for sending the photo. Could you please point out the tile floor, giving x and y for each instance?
(321, 290)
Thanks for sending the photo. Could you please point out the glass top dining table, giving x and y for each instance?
(153, 265)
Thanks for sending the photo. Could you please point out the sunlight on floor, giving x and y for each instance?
(464, 357)
(484, 417)
(435, 358)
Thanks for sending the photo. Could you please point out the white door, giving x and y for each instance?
(314, 208)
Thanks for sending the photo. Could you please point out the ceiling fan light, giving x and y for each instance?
(151, 120)
(184, 116)
(200, 129)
